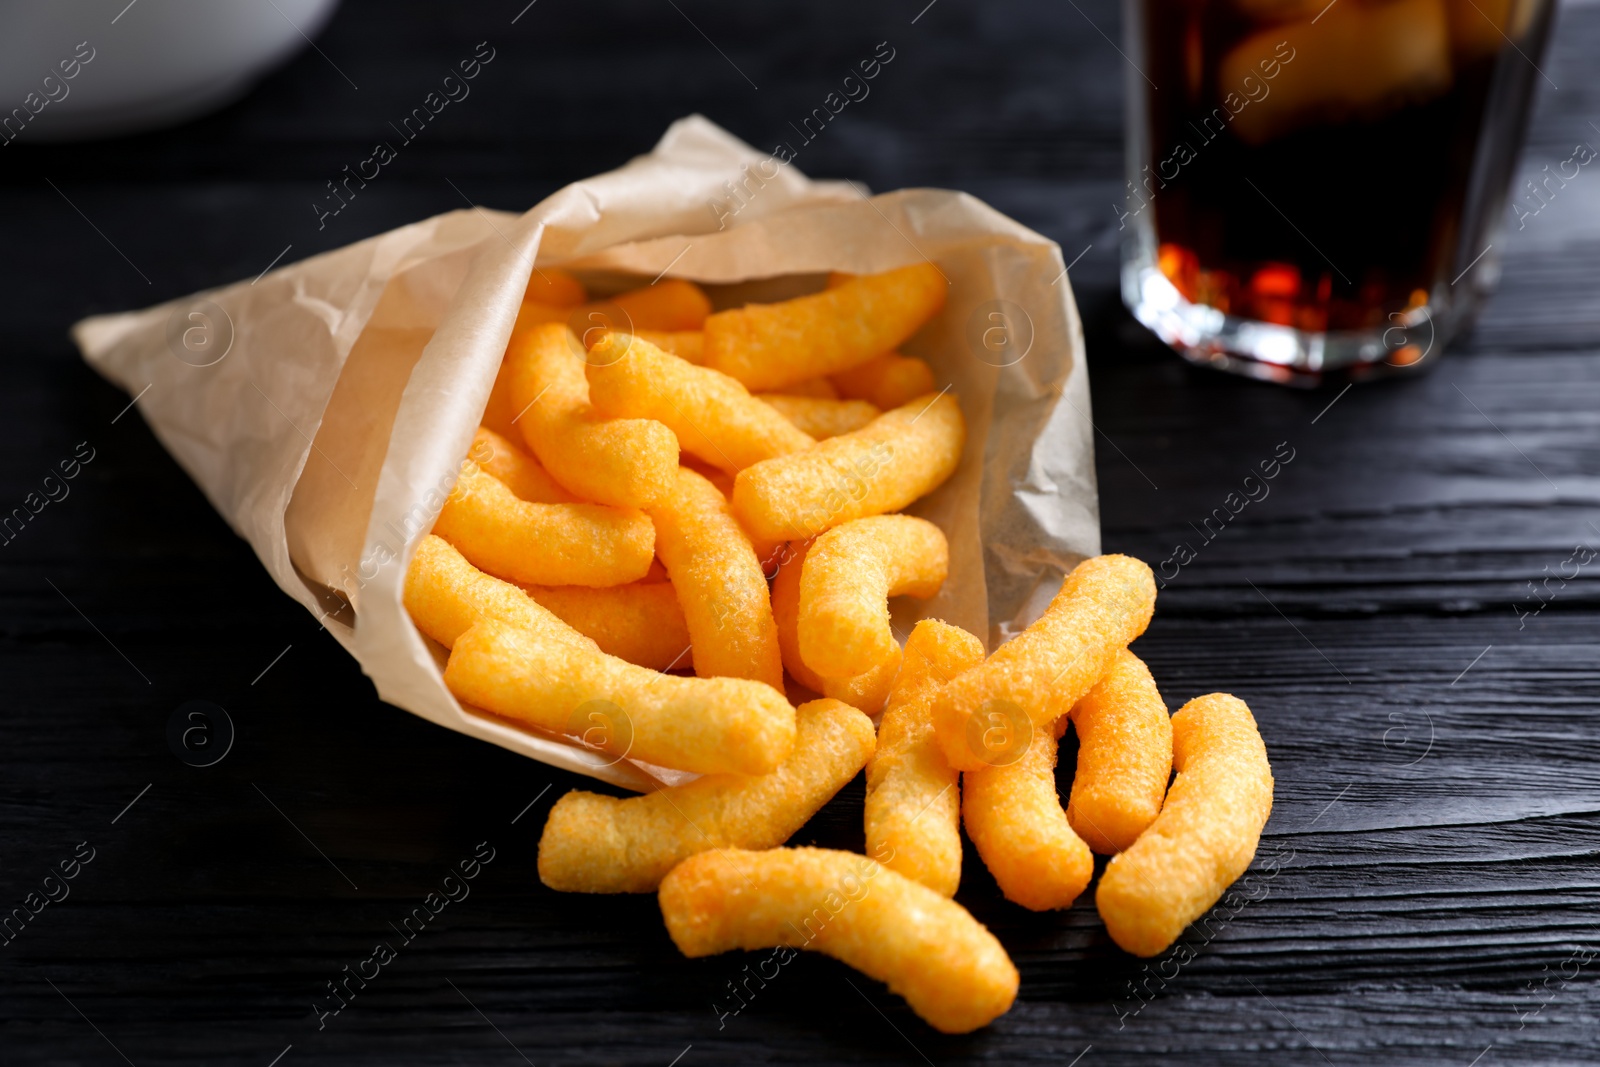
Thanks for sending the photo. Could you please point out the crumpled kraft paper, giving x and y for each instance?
(325, 408)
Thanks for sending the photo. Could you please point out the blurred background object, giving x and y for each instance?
(73, 69)
(1326, 178)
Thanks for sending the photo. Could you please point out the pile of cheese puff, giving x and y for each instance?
(657, 486)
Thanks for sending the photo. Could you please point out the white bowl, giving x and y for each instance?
(137, 66)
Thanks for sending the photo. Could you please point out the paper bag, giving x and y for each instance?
(325, 408)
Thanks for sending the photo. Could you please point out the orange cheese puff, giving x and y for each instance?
(931, 951)
(721, 479)
(821, 417)
(719, 583)
(1206, 833)
(717, 421)
(865, 691)
(821, 388)
(850, 573)
(600, 844)
(769, 346)
(502, 413)
(1124, 757)
(1014, 817)
(626, 462)
(1036, 677)
(551, 285)
(770, 553)
(521, 473)
(673, 305)
(544, 544)
(534, 313)
(641, 623)
(913, 809)
(837, 278)
(705, 725)
(888, 381)
(899, 456)
(935, 653)
(685, 344)
(446, 596)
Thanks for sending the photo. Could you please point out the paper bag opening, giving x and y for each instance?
(334, 429)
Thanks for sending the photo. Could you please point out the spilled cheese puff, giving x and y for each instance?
(1124, 757)
(1205, 836)
(1014, 817)
(929, 950)
(600, 844)
(1037, 676)
(913, 807)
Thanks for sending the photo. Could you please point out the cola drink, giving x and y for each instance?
(1313, 185)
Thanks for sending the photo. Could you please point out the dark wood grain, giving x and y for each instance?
(1431, 894)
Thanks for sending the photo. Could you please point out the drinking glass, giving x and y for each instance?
(1315, 188)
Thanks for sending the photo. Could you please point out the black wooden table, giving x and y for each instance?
(1426, 890)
